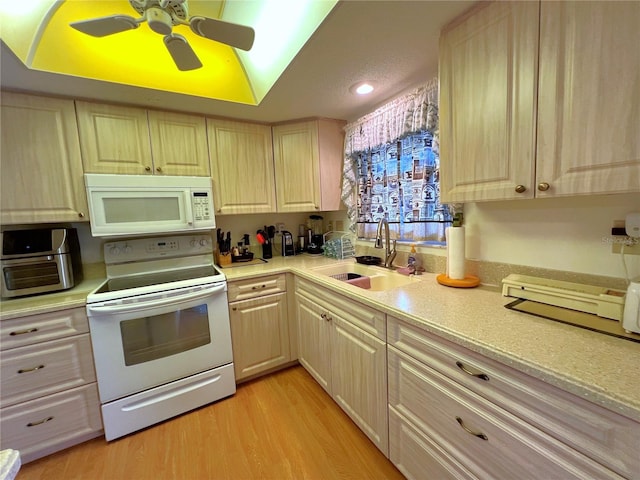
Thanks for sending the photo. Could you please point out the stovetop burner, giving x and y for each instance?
(148, 265)
(156, 278)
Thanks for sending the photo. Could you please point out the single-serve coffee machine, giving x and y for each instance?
(287, 244)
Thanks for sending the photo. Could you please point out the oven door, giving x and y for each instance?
(153, 339)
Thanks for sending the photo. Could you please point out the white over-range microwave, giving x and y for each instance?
(122, 205)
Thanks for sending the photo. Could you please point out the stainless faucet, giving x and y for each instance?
(389, 253)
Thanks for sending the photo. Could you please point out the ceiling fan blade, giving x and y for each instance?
(103, 26)
(182, 53)
(238, 36)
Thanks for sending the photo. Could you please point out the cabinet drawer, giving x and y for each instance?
(605, 436)
(46, 425)
(366, 318)
(491, 442)
(256, 287)
(417, 456)
(38, 370)
(22, 331)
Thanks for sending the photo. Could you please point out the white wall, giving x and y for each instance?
(570, 234)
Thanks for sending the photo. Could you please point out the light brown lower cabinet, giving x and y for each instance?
(342, 345)
(456, 414)
(259, 325)
(49, 399)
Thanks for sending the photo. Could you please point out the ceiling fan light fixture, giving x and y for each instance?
(159, 21)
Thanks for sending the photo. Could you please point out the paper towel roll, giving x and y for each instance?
(455, 253)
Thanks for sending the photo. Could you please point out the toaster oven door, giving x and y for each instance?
(28, 276)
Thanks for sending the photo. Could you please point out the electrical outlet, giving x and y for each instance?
(628, 249)
(279, 227)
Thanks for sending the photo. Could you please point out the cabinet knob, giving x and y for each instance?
(520, 188)
(158, 169)
(543, 187)
(147, 168)
(80, 214)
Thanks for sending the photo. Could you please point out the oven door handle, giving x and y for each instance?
(154, 303)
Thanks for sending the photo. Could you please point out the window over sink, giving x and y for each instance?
(392, 170)
(399, 181)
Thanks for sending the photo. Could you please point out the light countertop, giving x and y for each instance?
(594, 366)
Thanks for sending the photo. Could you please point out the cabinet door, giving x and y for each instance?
(297, 163)
(178, 144)
(314, 337)
(41, 165)
(260, 334)
(114, 139)
(589, 98)
(488, 80)
(359, 379)
(241, 167)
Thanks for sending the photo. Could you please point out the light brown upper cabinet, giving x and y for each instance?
(129, 140)
(241, 167)
(513, 126)
(308, 165)
(41, 169)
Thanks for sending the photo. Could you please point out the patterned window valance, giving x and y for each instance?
(407, 114)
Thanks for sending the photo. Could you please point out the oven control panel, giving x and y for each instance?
(157, 247)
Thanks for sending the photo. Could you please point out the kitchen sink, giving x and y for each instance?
(380, 278)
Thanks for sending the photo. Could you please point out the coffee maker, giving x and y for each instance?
(287, 244)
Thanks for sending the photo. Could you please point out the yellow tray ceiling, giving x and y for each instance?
(38, 32)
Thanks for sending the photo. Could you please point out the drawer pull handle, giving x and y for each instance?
(35, 424)
(261, 286)
(482, 376)
(22, 332)
(27, 370)
(471, 432)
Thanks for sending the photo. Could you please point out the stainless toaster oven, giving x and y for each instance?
(39, 260)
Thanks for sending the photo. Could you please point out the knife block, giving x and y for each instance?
(223, 259)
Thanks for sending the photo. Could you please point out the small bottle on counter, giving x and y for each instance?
(412, 256)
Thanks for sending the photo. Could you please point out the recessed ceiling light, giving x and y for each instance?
(362, 88)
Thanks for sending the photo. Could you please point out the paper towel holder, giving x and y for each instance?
(469, 281)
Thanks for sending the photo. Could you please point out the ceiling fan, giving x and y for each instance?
(161, 16)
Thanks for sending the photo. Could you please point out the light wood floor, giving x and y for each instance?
(283, 426)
